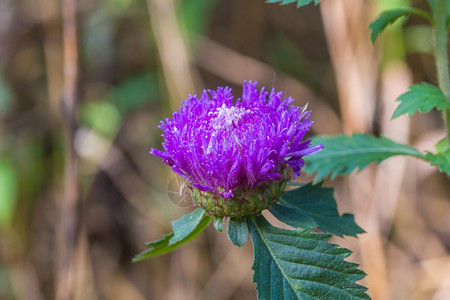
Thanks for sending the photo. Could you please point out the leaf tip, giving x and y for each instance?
(141, 256)
(218, 224)
(237, 231)
(136, 259)
(373, 35)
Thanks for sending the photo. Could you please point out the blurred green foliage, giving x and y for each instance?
(8, 192)
(6, 97)
(194, 15)
(135, 93)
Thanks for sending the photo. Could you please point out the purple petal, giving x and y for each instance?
(159, 153)
(307, 151)
(226, 194)
(296, 165)
(202, 187)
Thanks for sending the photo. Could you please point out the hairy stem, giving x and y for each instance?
(441, 55)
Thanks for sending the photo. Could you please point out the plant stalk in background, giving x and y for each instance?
(441, 55)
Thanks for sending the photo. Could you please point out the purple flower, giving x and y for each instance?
(219, 145)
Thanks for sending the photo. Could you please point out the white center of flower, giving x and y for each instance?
(228, 117)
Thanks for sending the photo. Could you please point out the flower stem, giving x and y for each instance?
(441, 55)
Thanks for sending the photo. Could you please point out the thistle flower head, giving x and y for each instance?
(233, 151)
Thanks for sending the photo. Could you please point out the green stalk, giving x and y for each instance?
(441, 55)
(446, 114)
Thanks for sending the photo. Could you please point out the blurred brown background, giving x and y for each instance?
(73, 222)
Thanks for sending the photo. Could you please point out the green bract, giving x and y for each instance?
(246, 201)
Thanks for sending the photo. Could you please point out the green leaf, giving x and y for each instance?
(442, 157)
(421, 97)
(185, 229)
(298, 264)
(390, 16)
(300, 3)
(218, 224)
(312, 206)
(343, 154)
(237, 231)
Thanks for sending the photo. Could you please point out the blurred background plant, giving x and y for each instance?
(137, 61)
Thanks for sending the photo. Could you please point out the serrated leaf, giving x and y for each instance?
(185, 229)
(441, 158)
(389, 17)
(300, 3)
(442, 161)
(421, 97)
(298, 264)
(343, 154)
(237, 231)
(312, 206)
